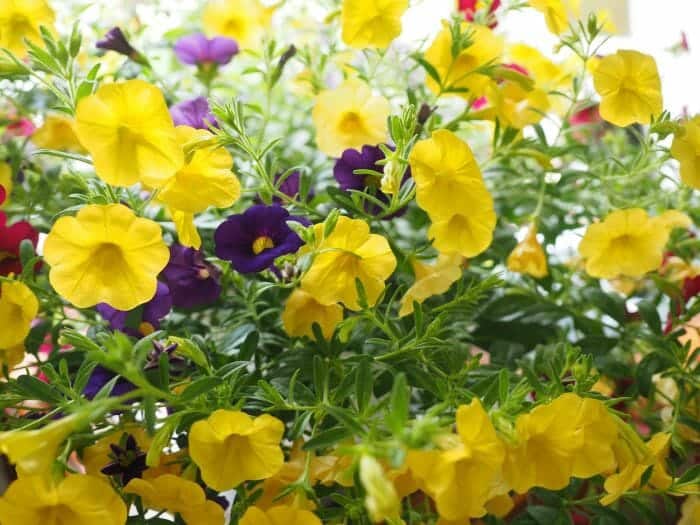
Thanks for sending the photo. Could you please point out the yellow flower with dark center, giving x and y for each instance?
(372, 23)
(350, 252)
(431, 280)
(279, 515)
(18, 308)
(301, 310)
(628, 242)
(105, 254)
(58, 132)
(463, 72)
(231, 447)
(74, 500)
(20, 19)
(686, 150)
(243, 20)
(129, 133)
(349, 116)
(528, 257)
(174, 494)
(629, 86)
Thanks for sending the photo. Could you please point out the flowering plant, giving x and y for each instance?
(325, 277)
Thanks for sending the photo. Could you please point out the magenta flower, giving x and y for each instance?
(192, 281)
(194, 113)
(252, 240)
(197, 49)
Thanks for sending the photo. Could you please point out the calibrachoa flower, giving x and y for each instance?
(686, 150)
(105, 254)
(194, 113)
(470, 8)
(128, 461)
(192, 280)
(279, 515)
(349, 116)
(555, 14)
(98, 455)
(6, 182)
(18, 308)
(244, 20)
(629, 86)
(115, 40)
(22, 127)
(58, 132)
(149, 315)
(100, 377)
(301, 311)
(20, 19)
(628, 242)
(231, 447)
(129, 133)
(528, 257)
(252, 240)
(175, 494)
(11, 238)
(73, 500)
(350, 252)
(431, 280)
(371, 23)
(199, 50)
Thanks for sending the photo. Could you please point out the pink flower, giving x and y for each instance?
(470, 7)
(22, 127)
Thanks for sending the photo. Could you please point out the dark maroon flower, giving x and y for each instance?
(143, 320)
(252, 240)
(100, 377)
(197, 49)
(11, 238)
(192, 281)
(194, 113)
(128, 460)
(115, 40)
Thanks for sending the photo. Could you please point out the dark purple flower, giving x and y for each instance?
(194, 113)
(128, 460)
(252, 240)
(197, 49)
(366, 159)
(100, 377)
(192, 280)
(148, 315)
(291, 186)
(115, 40)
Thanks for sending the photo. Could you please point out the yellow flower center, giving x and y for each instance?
(204, 273)
(350, 122)
(234, 26)
(107, 257)
(146, 328)
(5, 255)
(261, 244)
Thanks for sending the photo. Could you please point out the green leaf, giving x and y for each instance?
(363, 385)
(650, 315)
(327, 438)
(34, 388)
(199, 387)
(160, 440)
(399, 401)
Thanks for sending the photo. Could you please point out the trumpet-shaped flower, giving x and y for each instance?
(466, 234)
(197, 49)
(431, 280)
(243, 20)
(194, 113)
(129, 133)
(528, 257)
(372, 23)
(191, 279)
(599, 432)
(301, 311)
(74, 500)
(686, 150)
(231, 447)
(105, 254)
(18, 308)
(279, 515)
(20, 19)
(464, 72)
(58, 132)
(629, 86)
(350, 252)
(174, 494)
(628, 242)
(349, 116)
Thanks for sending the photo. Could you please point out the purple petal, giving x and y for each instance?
(221, 50)
(194, 113)
(192, 49)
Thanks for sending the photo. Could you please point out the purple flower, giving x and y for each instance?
(100, 377)
(115, 40)
(197, 49)
(194, 113)
(192, 280)
(291, 186)
(148, 317)
(252, 240)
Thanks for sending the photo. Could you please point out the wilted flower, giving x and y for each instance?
(199, 50)
(194, 113)
(528, 257)
(192, 280)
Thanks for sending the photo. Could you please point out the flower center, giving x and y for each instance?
(6, 255)
(350, 122)
(146, 328)
(261, 244)
(107, 256)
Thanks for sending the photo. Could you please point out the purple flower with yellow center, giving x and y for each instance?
(143, 320)
(199, 50)
(194, 113)
(252, 240)
(192, 280)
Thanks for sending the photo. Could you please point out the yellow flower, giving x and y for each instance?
(18, 308)
(372, 23)
(230, 447)
(690, 511)
(58, 132)
(467, 234)
(349, 116)
(333, 469)
(381, 500)
(6, 181)
(461, 72)
(528, 257)
(431, 280)
(186, 229)
(629, 86)
(244, 20)
(11, 357)
(460, 478)
(628, 242)
(546, 74)
(290, 472)
(34, 451)
(279, 515)
(301, 310)
(686, 150)
(174, 494)
(74, 500)
(350, 252)
(555, 14)
(128, 130)
(514, 105)
(20, 19)
(105, 254)
(599, 432)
